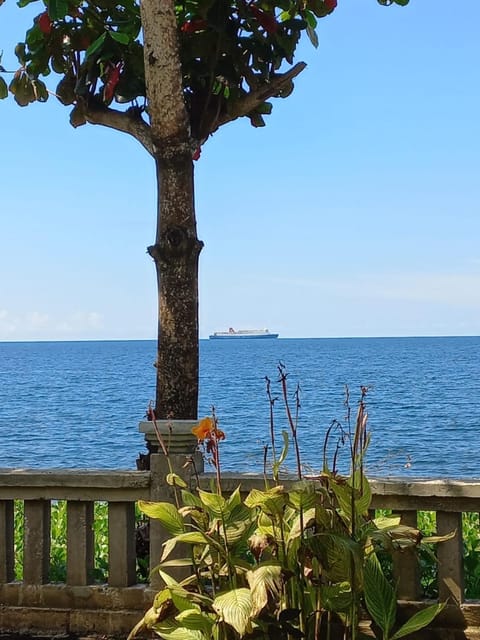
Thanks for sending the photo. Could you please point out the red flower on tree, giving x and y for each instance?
(192, 26)
(44, 23)
(266, 20)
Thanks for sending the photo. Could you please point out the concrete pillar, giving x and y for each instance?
(80, 543)
(7, 568)
(182, 448)
(36, 554)
(121, 544)
(450, 558)
(405, 564)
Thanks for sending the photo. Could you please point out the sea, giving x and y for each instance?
(78, 404)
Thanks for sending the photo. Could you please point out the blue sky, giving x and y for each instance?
(354, 212)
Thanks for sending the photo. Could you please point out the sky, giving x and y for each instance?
(354, 212)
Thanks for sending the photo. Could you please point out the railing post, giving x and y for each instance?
(450, 558)
(182, 446)
(121, 544)
(36, 555)
(80, 543)
(7, 564)
(405, 564)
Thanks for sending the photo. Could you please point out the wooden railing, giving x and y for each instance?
(81, 606)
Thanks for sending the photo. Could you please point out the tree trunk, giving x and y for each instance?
(175, 252)
(176, 247)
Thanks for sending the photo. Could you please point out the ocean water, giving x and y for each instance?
(78, 404)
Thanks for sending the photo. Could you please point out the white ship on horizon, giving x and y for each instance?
(242, 333)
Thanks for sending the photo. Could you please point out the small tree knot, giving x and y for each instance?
(175, 244)
(175, 237)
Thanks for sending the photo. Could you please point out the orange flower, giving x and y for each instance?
(204, 429)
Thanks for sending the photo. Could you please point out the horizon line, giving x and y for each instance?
(364, 337)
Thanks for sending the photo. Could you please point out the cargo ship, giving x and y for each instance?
(232, 334)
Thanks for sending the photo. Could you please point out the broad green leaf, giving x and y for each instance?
(166, 513)
(301, 522)
(402, 3)
(385, 522)
(40, 90)
(337, 597)
(20, 53)
(264, 580)
(235, 608)
(172, 630)
(339, 556)
(310, 18)
(312, 35)
(23, 3)
(168, 546)
(357, 496)
(96, 45)
(271, 502)
(235, 499)
(177, 562)
(191, 500)
(3, 89)
(302, 495)
(193, 537)
(363, 499)
(214, 503)
(163, 595)
(122, 38)
(182, 601)
(57, 9)
(194, 619)
(169, 581)
(419, 620)
(237, 524)
(343, 494)
(379, 595)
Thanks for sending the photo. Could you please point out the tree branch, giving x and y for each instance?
(125, 121)
(255, 98)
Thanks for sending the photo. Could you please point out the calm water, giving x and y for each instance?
(78, 404)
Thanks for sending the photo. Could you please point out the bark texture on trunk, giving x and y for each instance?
(176, 247)
(175, 252)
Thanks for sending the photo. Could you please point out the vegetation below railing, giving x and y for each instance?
(283, 562)
(58, 546)
(471, 555)
(58, 554)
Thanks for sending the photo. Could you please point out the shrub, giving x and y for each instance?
(289, 561)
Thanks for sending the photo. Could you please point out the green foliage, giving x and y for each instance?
(58, 542)
(228, 50)
(280, 561)
(19, 530)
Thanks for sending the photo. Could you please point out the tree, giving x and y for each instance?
(176, 72)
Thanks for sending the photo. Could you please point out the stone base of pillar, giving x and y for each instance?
(177, 437)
